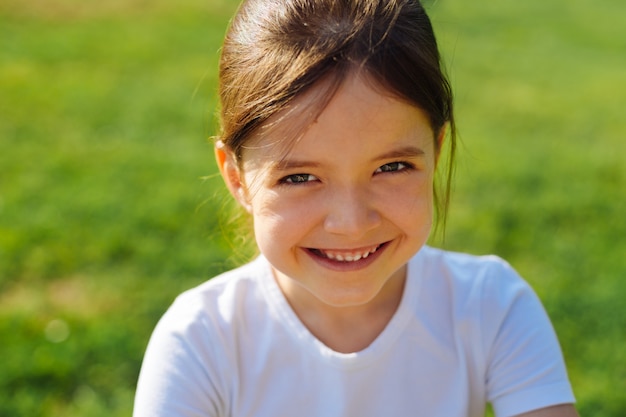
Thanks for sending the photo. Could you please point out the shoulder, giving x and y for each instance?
(504, 327)
(229, 283)
(462, 264)
(479, 276)
(468, 293)
(221, 296)
(189, 359)
(478, 293)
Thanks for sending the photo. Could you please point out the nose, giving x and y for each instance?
(351, 212)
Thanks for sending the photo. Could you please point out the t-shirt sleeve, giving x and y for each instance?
(177, 378)
(525, 366)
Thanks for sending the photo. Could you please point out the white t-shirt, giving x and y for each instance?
(468, 331)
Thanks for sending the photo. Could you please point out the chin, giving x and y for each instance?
(348, 298)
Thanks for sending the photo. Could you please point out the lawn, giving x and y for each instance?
(110, 205)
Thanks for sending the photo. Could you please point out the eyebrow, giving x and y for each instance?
(403, 152)
(288, 164)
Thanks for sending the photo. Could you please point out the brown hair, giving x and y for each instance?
(277, 49)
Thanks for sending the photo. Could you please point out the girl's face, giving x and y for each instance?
(349, 203)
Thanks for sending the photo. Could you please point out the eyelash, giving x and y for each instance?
(389, 168)
(400, 166)
(301, 179)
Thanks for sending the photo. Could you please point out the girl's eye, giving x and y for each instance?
(392, 167)
(298, 179)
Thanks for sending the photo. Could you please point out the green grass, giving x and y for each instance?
(105, 111)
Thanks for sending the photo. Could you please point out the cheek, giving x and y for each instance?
(409, 206)
(415, 191)
(279, 220)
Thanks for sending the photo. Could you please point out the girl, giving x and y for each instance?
(334, 113)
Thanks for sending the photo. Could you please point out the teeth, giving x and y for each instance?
(348, 257)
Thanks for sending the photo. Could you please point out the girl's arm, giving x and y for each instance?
(525, 367)
(564, 410)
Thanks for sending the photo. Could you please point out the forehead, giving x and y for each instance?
(334, 117)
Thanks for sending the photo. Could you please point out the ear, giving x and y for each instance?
(233, 177)
(441, 138)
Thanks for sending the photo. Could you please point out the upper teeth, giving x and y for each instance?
(349, 256)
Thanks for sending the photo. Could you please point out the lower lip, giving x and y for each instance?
(343, 266)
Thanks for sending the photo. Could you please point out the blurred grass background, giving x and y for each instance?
(105, 111)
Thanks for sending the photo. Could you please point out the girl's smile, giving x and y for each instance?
(346, 260)
(341, 207)
(343, 255)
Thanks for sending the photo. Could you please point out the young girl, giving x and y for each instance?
(334, 114)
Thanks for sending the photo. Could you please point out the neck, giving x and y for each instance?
(345, 329)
